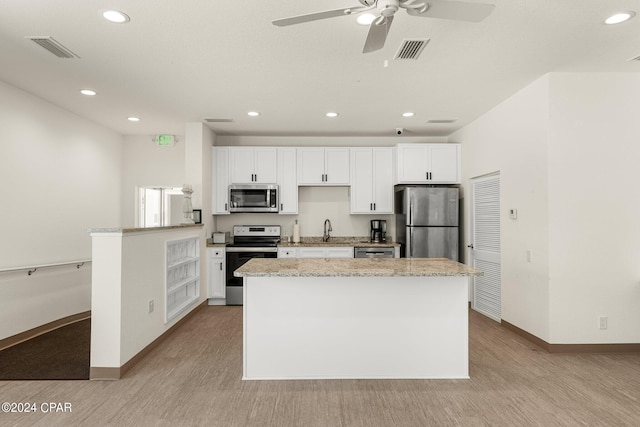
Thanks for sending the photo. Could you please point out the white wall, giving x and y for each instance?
(567, 150)
(147, 165)
(594, 208)
(512, 139)
(61, 175)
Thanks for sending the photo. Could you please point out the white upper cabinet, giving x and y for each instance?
(288, 180)
(220, 184)
(372, 180)
(428, 163)
(323, 166)
(253, 165)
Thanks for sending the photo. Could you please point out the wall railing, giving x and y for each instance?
(32, 269)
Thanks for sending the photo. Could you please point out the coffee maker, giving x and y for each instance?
(378, 230)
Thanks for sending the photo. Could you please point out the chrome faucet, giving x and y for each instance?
(326, 236)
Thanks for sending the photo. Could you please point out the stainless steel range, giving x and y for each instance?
(249, 241)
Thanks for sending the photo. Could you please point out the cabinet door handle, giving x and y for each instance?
(370, 206)
(225, 207)
(374, 206)
(281, 206)
(220, 266)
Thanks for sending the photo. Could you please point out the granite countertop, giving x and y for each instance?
(356, 241)
(354, 267)
(139, 229)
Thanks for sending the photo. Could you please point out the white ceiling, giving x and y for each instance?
(184, 61)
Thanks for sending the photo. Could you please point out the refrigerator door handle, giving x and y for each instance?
(410, 241)
(410, 213)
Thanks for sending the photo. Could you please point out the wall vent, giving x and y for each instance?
(441, 121)
(218, 120)
(53, 46)
(411, 48)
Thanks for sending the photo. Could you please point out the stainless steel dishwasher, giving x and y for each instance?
(374, 252)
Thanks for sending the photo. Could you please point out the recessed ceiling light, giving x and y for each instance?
(253, 113)
(408, 114)
(619, 18)
(331, 114)
(88, 92)
(116, 16)
(365, 19)
(133, 119)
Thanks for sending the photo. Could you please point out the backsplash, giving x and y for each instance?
(315, 204)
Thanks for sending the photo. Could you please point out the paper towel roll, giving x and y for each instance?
(296, 232)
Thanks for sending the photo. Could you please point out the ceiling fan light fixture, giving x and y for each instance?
(619, 18)
(365, 19)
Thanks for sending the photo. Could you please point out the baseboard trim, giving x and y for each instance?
(43, 329)
(573, 348)
(106, 373)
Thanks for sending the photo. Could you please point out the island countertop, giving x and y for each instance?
(354, 267)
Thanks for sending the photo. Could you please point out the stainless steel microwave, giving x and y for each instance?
(254, 198)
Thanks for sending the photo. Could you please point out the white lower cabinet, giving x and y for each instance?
(217, 276)
(316, 252)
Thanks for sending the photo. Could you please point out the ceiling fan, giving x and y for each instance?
(385, 9)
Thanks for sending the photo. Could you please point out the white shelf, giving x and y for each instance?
(182, 262)
(182, 284)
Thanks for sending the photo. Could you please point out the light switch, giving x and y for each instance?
(513, 213)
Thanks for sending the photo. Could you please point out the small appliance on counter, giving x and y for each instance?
(378, 230)
(220, 237)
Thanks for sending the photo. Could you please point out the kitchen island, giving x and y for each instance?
(355, 318)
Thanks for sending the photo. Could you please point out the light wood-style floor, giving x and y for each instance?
(194, 378)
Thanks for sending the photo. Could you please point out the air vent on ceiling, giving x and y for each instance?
(635, 58)
(218, 120)
(441, 121)
(53, 46)
(411, 49)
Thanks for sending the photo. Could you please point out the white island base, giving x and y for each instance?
(355, 327)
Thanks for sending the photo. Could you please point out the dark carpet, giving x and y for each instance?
(62, 354)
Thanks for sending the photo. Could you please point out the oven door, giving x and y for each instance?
(235, 260)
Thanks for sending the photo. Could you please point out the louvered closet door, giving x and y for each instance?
(485, 246)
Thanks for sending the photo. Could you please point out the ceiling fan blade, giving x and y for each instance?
(319, 15)
(456, 10)
(377, 35)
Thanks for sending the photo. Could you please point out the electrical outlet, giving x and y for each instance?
(603, 321)
(151, 306)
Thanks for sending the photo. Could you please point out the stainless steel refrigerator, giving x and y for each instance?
(427, 221)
